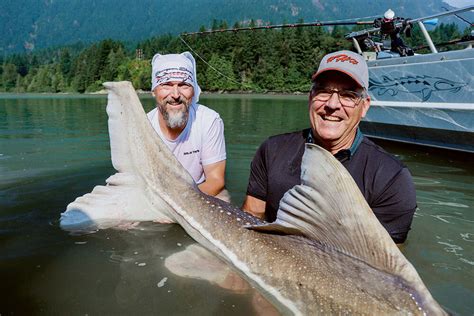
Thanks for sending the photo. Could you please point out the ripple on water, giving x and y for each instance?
(445, 266)
(442, 218)
(118, 257)
(419, 181)
(455, 218)
(162, 282)
(457, 251)
(451, 248)
(467, 261)
(450, 204)
(467, 237)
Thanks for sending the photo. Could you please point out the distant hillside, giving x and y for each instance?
(32, 24)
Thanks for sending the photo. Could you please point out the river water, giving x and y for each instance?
(56, 148)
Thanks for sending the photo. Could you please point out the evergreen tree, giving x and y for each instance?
(58, 82)
(41, 81)
(114, 59)
(80, 79)
(19, 85)
(9, 77)
(216, 80)
(140, 73)
(65, 62)
(123, 72)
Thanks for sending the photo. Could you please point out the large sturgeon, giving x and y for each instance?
(325, 254)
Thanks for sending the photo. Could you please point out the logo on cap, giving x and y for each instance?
(342, 58)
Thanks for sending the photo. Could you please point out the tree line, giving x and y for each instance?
(254, 61)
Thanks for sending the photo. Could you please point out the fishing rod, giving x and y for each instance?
(330, 23)
(471, 24)
(280, 26)
(455, 41)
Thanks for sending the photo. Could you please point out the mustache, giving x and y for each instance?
(179, 100)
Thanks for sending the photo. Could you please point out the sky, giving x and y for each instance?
(459, 3)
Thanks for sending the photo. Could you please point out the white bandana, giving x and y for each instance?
(175, 67)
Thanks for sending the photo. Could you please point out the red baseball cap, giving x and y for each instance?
(347, 62)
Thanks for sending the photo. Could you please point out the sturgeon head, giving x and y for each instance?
(326, 253)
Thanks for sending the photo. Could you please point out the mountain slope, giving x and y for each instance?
(31, 24)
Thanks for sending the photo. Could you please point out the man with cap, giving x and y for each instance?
(193, 132)
(338, 100)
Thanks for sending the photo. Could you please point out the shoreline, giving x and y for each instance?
(144, 93)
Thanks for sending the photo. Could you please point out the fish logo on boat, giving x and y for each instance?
(422, 85)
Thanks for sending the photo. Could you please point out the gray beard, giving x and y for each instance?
(175, 120)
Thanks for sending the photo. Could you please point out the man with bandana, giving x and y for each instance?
(193, 132)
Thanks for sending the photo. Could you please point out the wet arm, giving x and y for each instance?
(257, 185)
(215, 178)
(254, 206)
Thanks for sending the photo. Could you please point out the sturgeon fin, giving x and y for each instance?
(196, 262)
(134, 193)
(329, 208)
(120, 203)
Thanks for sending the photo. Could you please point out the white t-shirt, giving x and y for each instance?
(200, 143)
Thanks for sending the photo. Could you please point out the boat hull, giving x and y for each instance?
(423, 99)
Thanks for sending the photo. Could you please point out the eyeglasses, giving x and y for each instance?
(347, 98)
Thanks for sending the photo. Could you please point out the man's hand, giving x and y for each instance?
(254, 206)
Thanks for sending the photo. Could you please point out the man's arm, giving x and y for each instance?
(254, 206)
(396, 206)
(257, 184)
(215, 178)
(213, 156)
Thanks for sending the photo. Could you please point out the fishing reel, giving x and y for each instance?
(391, 27)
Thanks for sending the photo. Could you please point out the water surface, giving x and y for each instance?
(56, 148)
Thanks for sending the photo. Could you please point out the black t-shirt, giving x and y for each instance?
(383, 180)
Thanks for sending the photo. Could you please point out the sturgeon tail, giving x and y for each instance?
(135, 192)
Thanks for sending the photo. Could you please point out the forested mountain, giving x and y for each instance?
(280, 60)
(27, 25)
